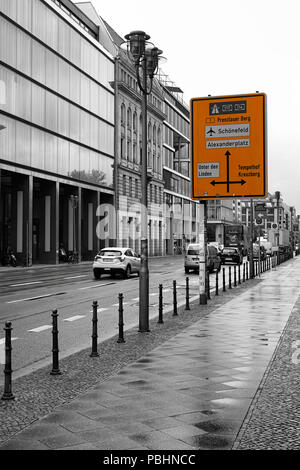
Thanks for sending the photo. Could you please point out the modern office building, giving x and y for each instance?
(56, 130)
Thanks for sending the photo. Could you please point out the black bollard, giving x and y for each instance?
(187, 294)
(234, 273)
(8, 395)
(217, 283)
(247, 270)
(55, 350)
(94, 352)
(208, 286)
(160, 304)
(174, 299)
(121, 321)
(224, 280)
(239, 272)
(244, 272)
(230, 287)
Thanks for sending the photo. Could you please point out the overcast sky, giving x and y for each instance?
(229, 47)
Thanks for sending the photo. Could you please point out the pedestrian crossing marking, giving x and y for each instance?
(74, 318)
(2, 349)
(40, 328)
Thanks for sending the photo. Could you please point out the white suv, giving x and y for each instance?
(114, 261)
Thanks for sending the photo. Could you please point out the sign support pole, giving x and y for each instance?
(251, 242)
(203, 256)
(259, 234)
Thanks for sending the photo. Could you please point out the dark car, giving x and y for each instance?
(231, 254)
(191, 261)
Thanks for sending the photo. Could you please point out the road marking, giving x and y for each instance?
(28, 298)
(2, 349)
(101, 285)
(75, 277)
(76, 317)
(135, 299)
(154, 294)
(99, 310)
(117, 305)
(25, 284)
(41, 328)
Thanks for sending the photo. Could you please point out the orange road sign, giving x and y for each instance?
(229, 149)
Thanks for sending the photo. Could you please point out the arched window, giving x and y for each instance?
(123, 119)
(129, 118)
(134, 122)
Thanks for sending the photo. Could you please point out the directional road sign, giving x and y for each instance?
(229, 156)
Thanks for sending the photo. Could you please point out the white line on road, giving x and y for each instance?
(76, 317)
(117, 305)
(75, 277)
(2, 349)
(25, 284)
(29, 298)
(99, 310)
(41, 328)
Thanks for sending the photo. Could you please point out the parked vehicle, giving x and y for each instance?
(114, 260)
(263, 253)
(191, 260)
(268, 246)
(237, 236)
(231, 254)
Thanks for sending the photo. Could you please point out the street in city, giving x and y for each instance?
(195, 382)
(28, 297)
(149, 228)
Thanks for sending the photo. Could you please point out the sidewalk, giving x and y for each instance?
(195, 389)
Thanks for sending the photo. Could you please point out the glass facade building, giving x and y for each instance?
(56, 130)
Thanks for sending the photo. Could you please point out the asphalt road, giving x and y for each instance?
(28, 296)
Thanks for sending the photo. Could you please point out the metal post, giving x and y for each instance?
(217, 283)
(8, 395)
(229, 278)
(239, 281)
(160, 305)
(121, 321)
(94, 352)
(208, 286)
(55, 350)
(244, 269)
(187, 294)
(224, 280)
(203, 259)
(234, 276)
(174, 299)
(144, 270)
(251, 243)
(247, 270)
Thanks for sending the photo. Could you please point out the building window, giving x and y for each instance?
(130, 186)
(137, 189)
(124, 185)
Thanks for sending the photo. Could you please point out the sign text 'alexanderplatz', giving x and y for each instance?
(229, 150)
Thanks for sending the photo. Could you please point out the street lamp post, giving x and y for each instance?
(74, 203)
(145, 58)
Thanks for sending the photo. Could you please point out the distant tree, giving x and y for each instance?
(94, 176)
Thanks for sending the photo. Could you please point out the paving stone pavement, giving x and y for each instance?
(192, 391)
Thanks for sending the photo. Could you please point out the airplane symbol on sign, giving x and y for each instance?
(211, 132)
